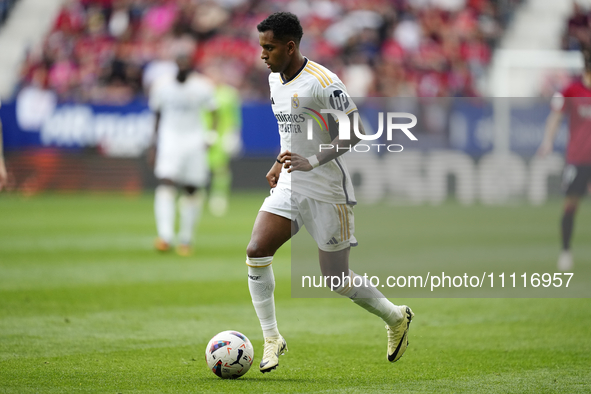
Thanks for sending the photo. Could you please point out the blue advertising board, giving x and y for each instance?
(127, 130)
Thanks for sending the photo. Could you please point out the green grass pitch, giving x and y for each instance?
(86, 305)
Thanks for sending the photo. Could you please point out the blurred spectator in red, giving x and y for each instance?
(577, 33)
(578, 29)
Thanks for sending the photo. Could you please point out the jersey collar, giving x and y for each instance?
(296, 74)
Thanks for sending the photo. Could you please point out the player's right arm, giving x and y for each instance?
(339, 146)
(294, 162)
(333, 96)
(552, 125)
(274, 172)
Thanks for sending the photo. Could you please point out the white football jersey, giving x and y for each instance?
(311, 89)
(182, 105)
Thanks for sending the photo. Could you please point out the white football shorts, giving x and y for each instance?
(331, 225)
(182, 159)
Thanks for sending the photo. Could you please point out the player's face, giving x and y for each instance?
(275, 53)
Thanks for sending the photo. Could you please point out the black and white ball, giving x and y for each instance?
(229, 354)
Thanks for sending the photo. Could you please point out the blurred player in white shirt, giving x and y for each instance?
(180, 151)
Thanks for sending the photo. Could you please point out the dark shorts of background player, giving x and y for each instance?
(576, 179)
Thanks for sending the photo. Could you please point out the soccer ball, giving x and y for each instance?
(229, 354)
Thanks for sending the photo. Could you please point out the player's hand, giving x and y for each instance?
(273, 174)
(294, 162)
(545, 148)
(3, 174)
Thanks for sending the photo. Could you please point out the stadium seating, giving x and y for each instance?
(98, 50)
(578, 28)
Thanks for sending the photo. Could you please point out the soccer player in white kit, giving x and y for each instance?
(322, 197)
(181, 141)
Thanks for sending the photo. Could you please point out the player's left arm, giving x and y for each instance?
(552, 126)
(553, 121)
(333, 96)
(294, 162)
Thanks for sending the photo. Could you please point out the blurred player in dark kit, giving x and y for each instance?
(575, 103)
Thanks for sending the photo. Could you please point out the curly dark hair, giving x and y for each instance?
(284, 25)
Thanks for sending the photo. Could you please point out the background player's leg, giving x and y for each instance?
(164, 211)
(220, 190)
(270, 231)
(365, 295)
(190, 204)
(571, 203)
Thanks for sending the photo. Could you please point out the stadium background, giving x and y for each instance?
(87, 305)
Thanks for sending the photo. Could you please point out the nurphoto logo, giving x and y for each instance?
(345, 129)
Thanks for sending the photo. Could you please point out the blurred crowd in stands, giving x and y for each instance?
(578, 28)
(577, 32)
(109, 51)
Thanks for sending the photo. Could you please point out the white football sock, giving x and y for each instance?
(261, 283)
(190, 211)
(370, 299)
(164, 202)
